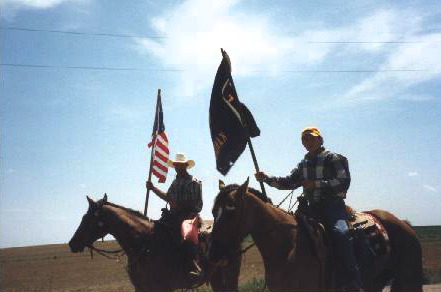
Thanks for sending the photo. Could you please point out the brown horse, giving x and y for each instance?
(154, 258)
(291, 262)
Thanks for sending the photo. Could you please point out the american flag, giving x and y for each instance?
(159, 142)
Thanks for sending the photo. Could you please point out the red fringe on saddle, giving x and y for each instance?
(190, 228)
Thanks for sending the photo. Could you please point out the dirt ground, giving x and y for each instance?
(55, 268)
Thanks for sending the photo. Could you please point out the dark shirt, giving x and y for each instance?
(185, 193)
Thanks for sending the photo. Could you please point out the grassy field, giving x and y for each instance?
(430, 237)
(55, 268)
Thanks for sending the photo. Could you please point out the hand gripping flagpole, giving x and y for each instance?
(154, 136)
(253, 155)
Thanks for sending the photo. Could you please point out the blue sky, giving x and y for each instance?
(79, 81)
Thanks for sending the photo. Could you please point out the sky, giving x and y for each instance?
(79, 80)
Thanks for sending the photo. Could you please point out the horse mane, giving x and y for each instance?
(255, 192)
(129, 210)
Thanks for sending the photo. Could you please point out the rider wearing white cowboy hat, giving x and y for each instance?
(185, 192)
(185, 198)
(181, 159)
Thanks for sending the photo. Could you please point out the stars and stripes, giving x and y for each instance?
(159, 142)
(160, 157)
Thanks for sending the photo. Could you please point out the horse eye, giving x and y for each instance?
(100, 224)
(229, 206)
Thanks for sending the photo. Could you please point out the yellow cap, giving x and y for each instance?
(313, 131)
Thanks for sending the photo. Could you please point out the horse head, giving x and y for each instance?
(91, 227)
(230, 222)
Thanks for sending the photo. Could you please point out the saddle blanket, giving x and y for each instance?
(365, 226)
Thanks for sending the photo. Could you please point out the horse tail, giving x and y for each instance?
(405, 264)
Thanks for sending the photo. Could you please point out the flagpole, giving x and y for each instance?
(151, 157)
(253, 155)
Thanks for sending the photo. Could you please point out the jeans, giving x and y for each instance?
(333, 214)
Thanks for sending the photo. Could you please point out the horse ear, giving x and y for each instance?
(243, 189)
(105, 198)
(91, 202)
(221, 184)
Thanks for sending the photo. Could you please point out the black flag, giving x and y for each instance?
(231, 123)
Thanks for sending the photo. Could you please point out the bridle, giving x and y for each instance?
(240, 251)
(118, 253)
(105, 253)
(271, 230)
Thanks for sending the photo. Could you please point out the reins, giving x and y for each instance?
(119, 252)
(286, 197)
(290, 207)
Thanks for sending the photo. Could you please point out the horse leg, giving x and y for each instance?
(221, 281)
(217, 279)
(407, 278)
(406, 255)
(233, 273)
(377, 284)
(226, 278)
(407, 266)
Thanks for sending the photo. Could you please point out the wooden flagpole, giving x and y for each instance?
(256, 166)
(152, 154)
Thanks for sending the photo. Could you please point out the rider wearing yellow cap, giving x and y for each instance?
(325, 179)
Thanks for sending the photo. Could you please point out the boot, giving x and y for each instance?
(194, 271)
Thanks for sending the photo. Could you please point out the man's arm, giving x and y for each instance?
(290, 182)
(158, 192)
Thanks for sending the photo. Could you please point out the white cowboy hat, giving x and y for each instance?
(181, 158)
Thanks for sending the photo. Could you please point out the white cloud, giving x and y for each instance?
(386, 26)
(11, 7)
(430, 188)
(415, 97)
(11, 170)
(40, 4)
(413, 173)
(193, 41)
(422, 55)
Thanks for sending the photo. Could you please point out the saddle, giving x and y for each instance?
(183, 227)
(370, 237)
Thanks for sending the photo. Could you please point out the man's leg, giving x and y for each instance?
(336, 217)
(192, 267)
